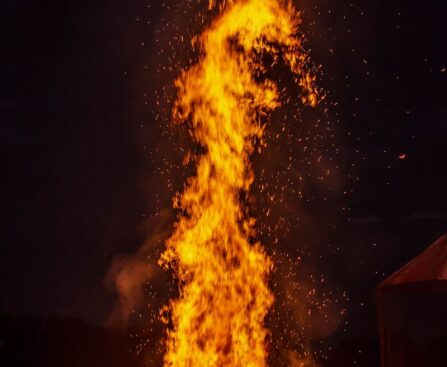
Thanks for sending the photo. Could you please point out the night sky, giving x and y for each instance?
(91, 159)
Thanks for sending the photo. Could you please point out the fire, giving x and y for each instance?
(218, 319)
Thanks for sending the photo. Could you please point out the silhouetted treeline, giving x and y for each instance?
(62, 342)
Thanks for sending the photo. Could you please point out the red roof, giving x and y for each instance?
(429, 265)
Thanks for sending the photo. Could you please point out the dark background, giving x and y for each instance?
(90, 161)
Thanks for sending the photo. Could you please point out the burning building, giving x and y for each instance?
(412, 311)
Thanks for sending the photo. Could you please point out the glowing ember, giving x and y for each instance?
(218, 318)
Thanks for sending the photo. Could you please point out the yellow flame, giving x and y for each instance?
(218, 319)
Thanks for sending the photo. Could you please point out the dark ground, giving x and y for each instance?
(70, 342)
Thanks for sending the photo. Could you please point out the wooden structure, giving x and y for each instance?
(412, 311)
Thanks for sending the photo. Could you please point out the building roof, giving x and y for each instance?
(429, 265)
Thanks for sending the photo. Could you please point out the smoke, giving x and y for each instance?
(128, 274)
(308, 309)
(296, 198)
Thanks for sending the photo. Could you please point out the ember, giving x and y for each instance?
(224, 297)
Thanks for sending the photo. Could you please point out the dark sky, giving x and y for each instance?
(83, 142)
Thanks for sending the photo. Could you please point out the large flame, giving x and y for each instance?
(218, 319)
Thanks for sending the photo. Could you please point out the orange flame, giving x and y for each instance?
(218, 319)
